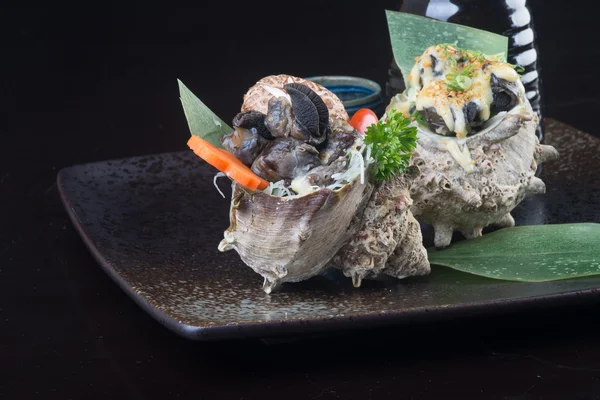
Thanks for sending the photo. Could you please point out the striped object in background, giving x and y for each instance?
(511, 18)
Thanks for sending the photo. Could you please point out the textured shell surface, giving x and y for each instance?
(257, 97)
(289, 239)
(467, 184)
(389, 240)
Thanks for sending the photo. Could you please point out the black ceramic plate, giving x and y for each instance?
(154, 223)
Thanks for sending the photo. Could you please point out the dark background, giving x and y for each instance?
(89, 82)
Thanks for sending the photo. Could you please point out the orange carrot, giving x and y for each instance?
(227, 163)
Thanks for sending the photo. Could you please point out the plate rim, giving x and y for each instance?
(278, 328)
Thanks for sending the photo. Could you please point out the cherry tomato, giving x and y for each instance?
(362, 118)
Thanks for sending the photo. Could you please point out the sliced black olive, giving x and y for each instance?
(505, 94)
(245, 144)
(285, 158)
(435, 121)
(279, 117)
(250, 119)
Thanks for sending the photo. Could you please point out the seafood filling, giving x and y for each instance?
(455, 92)
(296, 144)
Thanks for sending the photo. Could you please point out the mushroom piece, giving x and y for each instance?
(279, 117)
(285, 158)
(505, 94)
(249, 137)
(310, 114)
(251, 119)
(435, 121)
(317, 101)
(244, 144)
(341, 138)
(471, 111)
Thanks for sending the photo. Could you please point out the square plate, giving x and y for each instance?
(154, 222)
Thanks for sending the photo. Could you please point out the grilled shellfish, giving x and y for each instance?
(477, 148)
(320, 187)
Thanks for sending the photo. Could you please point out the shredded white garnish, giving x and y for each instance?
(359, 159)
(278, 189)
(362, 169)
(356, 166)
(368, 159)
(217, 122)
(217, 176)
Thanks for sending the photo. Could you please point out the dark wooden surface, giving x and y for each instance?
(82, 83)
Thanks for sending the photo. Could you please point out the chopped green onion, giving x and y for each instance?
(464, 82)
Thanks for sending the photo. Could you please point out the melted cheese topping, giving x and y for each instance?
(462, 157)
(427, 85)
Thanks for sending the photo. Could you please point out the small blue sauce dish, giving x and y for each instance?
(355, 92)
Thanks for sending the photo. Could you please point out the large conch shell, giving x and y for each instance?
(293, 238)
(290, 239)
(467, 184)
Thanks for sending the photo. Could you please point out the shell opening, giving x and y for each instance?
(357, 163)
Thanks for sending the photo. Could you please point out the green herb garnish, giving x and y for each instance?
(392, 143)
(473, 54)
(478, 56)
(459, 81)
(519, 69)
(416, 115)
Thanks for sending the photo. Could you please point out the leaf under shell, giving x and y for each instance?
(532, 253)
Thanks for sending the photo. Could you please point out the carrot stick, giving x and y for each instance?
(227, 163)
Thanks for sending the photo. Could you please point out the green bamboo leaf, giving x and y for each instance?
(532, 253)
(411, 34)
(201, 120)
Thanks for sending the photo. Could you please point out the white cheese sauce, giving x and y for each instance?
(428, 85)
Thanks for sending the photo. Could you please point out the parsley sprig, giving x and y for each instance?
(392, 143)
